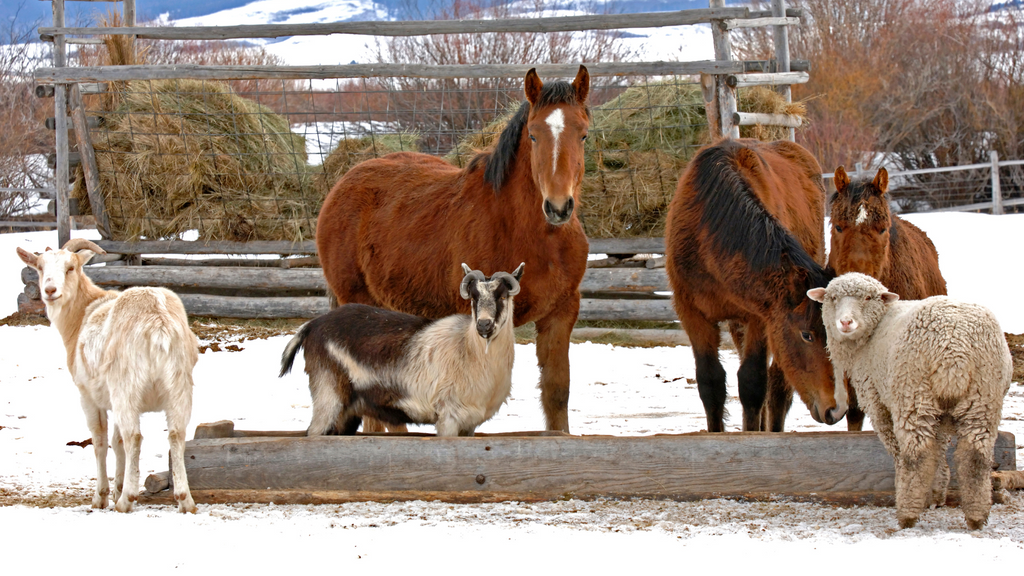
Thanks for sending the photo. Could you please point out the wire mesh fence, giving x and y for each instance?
(179, 155)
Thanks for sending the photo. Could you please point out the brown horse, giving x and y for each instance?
(745, 241)
(388, 222)
(868, 238)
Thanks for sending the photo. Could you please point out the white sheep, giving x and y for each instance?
(127, 352)
(398, 368)
(924, 370)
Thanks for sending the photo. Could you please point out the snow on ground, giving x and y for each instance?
(620, 391)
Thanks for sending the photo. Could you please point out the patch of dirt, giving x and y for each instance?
(1016, 343)
(224, 334)
(56, 499)
(22, 319)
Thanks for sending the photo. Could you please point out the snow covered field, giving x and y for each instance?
(620, 391)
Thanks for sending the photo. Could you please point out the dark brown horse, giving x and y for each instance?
(745, 240)
(868, 238)
(394, 231)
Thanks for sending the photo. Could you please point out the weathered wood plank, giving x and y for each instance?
(752, 118)
(213, 247)
(600, 309)
(665, 466)
(204, 72)
(415, 27)
(776, 79)
(624, 280)
(91, 173)
(761, 22)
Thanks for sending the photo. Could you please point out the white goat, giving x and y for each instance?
(454, 372)
(128, 352)
(923, 370)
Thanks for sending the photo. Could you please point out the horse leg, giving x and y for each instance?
(753, 375)
(553, 333)
(705, 338)
(778, 400)
(854, 414)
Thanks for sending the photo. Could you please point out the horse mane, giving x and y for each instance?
(738, 223)
(498, 162)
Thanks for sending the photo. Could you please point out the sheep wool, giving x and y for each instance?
(924, 370)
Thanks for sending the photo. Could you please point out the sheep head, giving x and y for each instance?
(491, 298)
(60, 271)
(851, 306)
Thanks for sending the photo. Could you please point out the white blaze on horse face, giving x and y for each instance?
(862, 215)
(556, 121)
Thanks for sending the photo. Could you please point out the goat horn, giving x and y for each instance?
(471, 275)
(513, 288)
(76, 244)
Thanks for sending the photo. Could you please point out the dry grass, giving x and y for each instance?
(352, 151)
(177, 155)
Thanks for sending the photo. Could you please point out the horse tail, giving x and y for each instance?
(736, 218)
(288, 357)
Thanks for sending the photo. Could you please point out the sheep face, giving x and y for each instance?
(491, 298)
(60, 271)
(852, 305)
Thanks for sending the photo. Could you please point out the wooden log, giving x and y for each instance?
(158, 482)
(752, 118)
(269, 307)
(776, 79)
(658, 262)
(301, 262)
(682, 467)
(29, 275)
(761, 22)
(654, 310)
(627, 245)
(414, 27)
(91, 174)
(209, 247)
(624, 280)
(72, 75)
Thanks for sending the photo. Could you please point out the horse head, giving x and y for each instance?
(557, 126)
(797, 340)
(861, 225)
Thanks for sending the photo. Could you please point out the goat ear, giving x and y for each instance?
(532, 86)
(889, 297)
(28, 258)
(84, 255)
(518, 273)
(841, 179)
(816, 294)
(881, 181)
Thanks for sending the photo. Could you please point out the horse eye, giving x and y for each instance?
(584, 138)
(839, 228)
(532, 138)
(807, 336)
(882, 231)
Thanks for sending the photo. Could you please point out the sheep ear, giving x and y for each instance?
(28, 258)
(816, 294)
(841, 179)
(881, 181)
(889, 297)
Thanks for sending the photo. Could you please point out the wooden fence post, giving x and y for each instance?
(726, 95)
(781, 40)
(60, 99)
(997, 193)
(88, 155)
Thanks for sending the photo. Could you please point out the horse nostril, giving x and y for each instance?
(556, 215)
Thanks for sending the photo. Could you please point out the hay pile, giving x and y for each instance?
(177, 155)
(764, 100)
(352, 151)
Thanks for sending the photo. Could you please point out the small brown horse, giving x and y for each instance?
(745, 240)
(388, 222)
(868, 238)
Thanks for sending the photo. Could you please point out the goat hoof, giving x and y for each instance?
(123, 505)
(99, 502)
(185, 502)
(976, 523)
(908, 522)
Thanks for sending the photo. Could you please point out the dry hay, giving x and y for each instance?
(179, 155)
(764, 100)
(352, 151)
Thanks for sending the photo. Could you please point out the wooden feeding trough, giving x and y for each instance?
(228, 465)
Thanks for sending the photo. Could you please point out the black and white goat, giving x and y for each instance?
(128, 352)
(454, 372)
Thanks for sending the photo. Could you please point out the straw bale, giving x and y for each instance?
(352, 151)
(179, 155)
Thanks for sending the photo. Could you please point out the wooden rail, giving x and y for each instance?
(413, 27)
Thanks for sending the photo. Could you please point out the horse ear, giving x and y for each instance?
(532, 86)
(881, 181)
(842, 180)
(582, 84)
